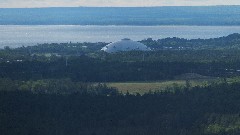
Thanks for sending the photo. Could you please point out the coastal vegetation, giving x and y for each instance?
(181, 87)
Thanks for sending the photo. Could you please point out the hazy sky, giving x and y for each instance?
(75, 3)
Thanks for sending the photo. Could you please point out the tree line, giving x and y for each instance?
(119, 67)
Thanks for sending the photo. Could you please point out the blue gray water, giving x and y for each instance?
(16, 35)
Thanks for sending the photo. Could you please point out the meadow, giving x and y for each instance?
(145, 87)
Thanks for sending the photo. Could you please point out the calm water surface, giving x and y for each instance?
(15, 35)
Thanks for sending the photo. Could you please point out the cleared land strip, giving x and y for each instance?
(144, 87)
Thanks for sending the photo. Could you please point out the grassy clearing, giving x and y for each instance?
(144, 87)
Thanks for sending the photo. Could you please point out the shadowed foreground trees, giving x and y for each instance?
(211, 110)
(123, 67)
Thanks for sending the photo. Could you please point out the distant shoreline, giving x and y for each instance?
(118, 25)
(29, 35)
(117, 6)
(139, 16)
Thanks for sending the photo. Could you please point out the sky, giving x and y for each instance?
(111, 3)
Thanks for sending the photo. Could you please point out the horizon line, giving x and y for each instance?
(118, 6)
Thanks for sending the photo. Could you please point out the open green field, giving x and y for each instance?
(144, 87)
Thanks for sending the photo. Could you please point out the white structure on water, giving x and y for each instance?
(125, 45)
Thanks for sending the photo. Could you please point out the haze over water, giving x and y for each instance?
(19, 35)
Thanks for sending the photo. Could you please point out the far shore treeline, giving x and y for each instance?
(192, 15)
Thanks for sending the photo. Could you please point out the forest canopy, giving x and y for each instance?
(62, 89)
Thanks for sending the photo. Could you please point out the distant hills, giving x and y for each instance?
(200, 15)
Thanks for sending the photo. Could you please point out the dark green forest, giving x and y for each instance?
(211, 110)
(221, 58)
(59, 89)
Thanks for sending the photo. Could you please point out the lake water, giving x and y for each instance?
(16, 35)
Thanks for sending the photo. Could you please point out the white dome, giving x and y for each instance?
(125, 45)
